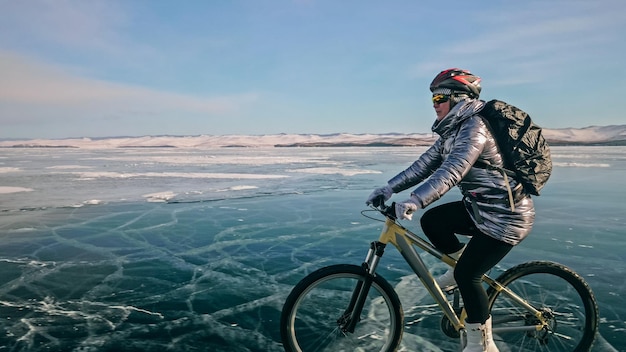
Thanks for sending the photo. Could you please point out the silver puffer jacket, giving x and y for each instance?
(464, 139)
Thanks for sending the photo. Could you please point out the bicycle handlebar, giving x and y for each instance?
(387, 210)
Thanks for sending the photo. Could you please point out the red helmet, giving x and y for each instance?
(457, 80)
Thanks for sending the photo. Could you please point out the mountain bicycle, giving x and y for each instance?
(535, 306)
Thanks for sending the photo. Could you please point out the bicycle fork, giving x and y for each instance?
(352, 313)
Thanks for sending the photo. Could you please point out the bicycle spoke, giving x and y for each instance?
(316, 319)
(567, 306)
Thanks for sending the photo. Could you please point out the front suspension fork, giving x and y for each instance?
(352, 315)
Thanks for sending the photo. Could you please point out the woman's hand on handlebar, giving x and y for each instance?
(405, 209)
(379, 196)
(401, 210)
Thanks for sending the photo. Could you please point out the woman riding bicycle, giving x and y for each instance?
(485, 212)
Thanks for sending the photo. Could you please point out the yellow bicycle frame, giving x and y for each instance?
(405, 241)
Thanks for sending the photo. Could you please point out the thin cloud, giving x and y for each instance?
(78, 24)
(27, 82)
(535, 44)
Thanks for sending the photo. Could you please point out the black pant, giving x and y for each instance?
(440, 224)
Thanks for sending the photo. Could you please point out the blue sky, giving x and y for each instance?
(74, 68)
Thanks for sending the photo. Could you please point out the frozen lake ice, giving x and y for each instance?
(196, 249)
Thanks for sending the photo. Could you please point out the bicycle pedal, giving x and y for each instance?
(450, 290)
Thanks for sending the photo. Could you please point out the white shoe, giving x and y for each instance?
(446, 281)
(479, 337)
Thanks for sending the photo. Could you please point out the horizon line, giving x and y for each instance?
(270, 134)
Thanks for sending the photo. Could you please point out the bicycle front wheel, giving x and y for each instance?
(562, 296)
(313, 317)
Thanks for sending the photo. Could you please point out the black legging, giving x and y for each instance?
(440, 224)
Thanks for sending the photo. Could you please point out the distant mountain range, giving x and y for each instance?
(594, 135)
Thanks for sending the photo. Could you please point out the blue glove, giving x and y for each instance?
(404, 210)
(379, 196)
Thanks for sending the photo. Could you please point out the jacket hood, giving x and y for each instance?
(460, 112)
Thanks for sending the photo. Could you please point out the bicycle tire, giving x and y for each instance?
(309, 319)
(560, 294)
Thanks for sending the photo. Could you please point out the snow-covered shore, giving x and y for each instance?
(594, 135)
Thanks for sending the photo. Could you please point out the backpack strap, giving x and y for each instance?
(506, 173)
(508, 187)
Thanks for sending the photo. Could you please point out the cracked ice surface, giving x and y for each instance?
(147, 250)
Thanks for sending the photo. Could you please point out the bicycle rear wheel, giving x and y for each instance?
(313, 315)
(561, 295)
